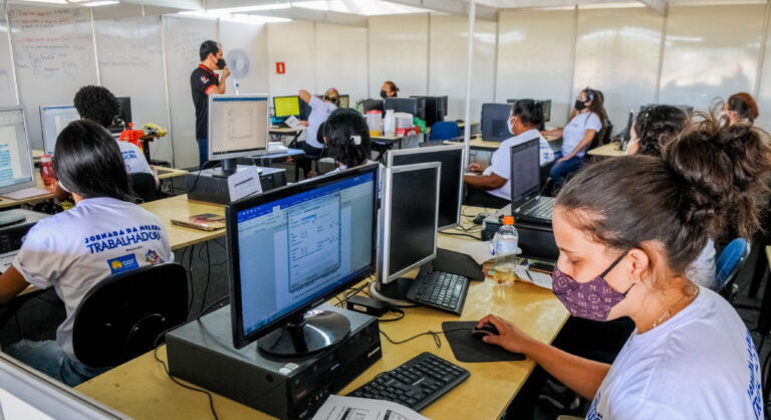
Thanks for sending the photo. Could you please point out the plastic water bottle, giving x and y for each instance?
(506, 243)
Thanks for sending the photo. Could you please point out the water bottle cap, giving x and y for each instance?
(508, 220)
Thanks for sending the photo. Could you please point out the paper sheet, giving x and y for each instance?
(349, 408)
(293, 122)
(244, 182)
(478, 250)
(537, 278)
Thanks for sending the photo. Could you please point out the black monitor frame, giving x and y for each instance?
(495, 112)
(125, 109)
(299, 101)
(231, 219)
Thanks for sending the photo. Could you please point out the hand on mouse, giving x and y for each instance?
(510, 337)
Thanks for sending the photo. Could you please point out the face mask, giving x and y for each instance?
(592, 300)
(511, 125)
(383, 93)
(580, 106)
(221, 63)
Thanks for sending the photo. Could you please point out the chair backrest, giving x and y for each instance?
(122, 316)
(444, 130)
(143, 185)
(730, 261)
(603, 137)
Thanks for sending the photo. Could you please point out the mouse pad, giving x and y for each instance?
(469, 349)
(458, 263)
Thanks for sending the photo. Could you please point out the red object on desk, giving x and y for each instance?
(47, 171)
(133, 136)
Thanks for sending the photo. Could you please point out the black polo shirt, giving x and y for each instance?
(202, 81)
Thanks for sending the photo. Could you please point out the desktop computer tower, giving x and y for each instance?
(204, 186)
(202, 353)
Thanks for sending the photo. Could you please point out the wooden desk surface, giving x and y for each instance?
(607, 150)
(141, 389)
(165, 173)
(7, 202)
(179, 207)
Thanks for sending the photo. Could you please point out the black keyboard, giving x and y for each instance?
(541, 208)
(440, 290)
(416, 383)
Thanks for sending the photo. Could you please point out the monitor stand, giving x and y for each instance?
(228, 168)
(307, 333)
(395, 292)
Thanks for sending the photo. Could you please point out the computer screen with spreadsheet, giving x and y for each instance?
(16, 170)
(300, 244)
(53, 119)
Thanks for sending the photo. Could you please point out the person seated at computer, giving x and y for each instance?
(346, 135)
(73, 250)
(741, 108)
(491, 188)
(320, 110)
(97, 103)
(578, 134)
(627, 229)
(389, 90)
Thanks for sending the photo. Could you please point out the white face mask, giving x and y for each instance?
(511, 125)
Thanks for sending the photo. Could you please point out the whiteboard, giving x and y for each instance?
(131, 64)
(54, 55)
(182, 39)
(7, 77)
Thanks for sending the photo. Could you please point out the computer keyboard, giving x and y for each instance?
(437, 289)
(416, 383)
(541, 208)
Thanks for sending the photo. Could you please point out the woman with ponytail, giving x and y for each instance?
(627, 229)
(347, 138)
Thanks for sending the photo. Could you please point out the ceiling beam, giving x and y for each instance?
(658, 5)
(176, 4)
(457, 7)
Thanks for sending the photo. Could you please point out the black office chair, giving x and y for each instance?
(122, 316)
(143, 185)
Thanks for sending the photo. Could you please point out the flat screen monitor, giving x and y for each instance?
(524, 178)
(451, 185)
(435, 108)
(53, 119)
(411, 214)
(292, 249)
(372, 105)
(124, 113)
(345, 101)
(285, 106)
(494, 122)
(16, 170)
(238, 126)
(414, 106)
(545, 107)
(27, 394)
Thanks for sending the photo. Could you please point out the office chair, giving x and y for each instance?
(122, 316)
(728, 264)
(444, 130)
(143, 185)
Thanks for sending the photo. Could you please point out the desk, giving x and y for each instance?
(179, 207)
(7, 202)
(166, 173)
(290, 132)
(141, 389)
(607, 150)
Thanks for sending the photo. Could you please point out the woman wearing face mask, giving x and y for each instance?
(741, 108)
(578, 134)
(627, 228)
(491, 188)
(389, 90)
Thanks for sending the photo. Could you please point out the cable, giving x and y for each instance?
(213, 304)
(201, 390)
(190, 276)
(434, 334)
(396, 309)
(462, 234)
(208, 276)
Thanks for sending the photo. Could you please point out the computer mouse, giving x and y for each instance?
(484, 330)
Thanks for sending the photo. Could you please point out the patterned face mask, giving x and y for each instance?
(592, 300)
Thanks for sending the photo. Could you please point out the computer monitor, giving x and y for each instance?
(414, 106)
(345, 101)
(451, 185)
(16, 170)
(28, 394)
(494, 122)
(293, 248)
(238, 127)
(285, 106)
(435, 108)
(372, 105)
(410, 217)
(124, 113)
(53, 119)
(545, 107)
(524, 178)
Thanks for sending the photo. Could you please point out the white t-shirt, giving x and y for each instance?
(320, 111)
(699, 364)
(500, 163)
(133, 157)
(702, 270)
(75, 249)
(574, 132)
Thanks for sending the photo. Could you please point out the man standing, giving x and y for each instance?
(203, 82)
